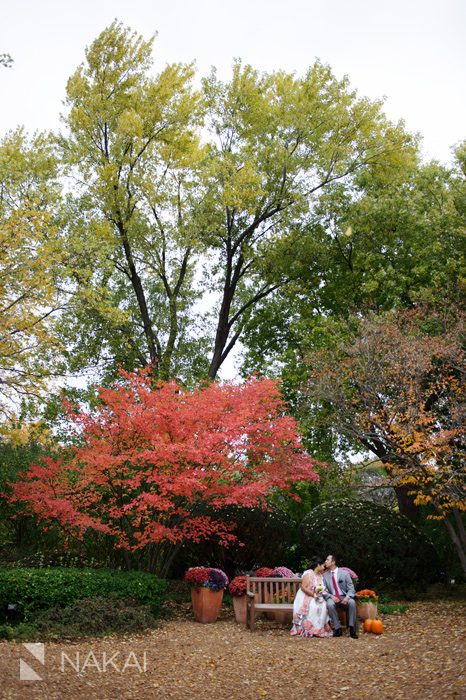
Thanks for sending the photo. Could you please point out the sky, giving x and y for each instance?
(412, 52)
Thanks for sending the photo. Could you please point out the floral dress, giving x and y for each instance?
(310, 616)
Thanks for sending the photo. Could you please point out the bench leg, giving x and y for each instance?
(252, 618)
(250, 615)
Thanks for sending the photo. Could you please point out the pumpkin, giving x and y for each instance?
(368, 625)
(377, 627)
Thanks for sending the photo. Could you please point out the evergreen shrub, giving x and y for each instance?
(382, 546)
(32, 590)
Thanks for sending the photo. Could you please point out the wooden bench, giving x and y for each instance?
(269, 595)
(274, 595)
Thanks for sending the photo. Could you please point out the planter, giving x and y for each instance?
(206, 604)
(367, 611)
(240, 609)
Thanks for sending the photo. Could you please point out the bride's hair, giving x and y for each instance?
(316, 561)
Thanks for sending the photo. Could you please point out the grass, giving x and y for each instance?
(390, 608)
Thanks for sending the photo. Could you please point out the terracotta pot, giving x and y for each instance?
(367, 611)
(239, 606)
(206, 604)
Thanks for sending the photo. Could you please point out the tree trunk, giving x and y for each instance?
(165, 570)
(141, 299)
(461, 550)
(460, 526)
(406, 503)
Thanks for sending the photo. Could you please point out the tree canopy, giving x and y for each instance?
(182, 196)
(150, 460)
(30, 253)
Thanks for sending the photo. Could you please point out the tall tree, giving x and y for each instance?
(279, 143)
(30, 252)
(128, 145)
(390, 243)
(385, 245)
(397, 388)
(173, 180)
(149, 461)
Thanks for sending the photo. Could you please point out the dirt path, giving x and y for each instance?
(421, 655)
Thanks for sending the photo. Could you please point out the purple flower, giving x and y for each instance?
(283, 571)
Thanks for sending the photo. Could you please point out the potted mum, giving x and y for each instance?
(237, 590)
(367, 604)
(207, 586)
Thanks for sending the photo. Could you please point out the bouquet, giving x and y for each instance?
(367, 596)
(319, 590)
(238, 586)
(207, 577)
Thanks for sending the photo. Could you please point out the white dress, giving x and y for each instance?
(310, 615)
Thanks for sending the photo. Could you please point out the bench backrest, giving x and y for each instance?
(273, 590)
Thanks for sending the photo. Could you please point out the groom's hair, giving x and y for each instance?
(334, 559)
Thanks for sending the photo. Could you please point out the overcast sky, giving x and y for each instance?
(410, 51)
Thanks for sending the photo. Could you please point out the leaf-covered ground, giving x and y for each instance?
(421, 654)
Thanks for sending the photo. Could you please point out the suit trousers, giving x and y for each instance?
(333, 614)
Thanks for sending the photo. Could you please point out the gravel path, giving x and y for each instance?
(421, 654)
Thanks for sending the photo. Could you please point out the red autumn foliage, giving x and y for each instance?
(149, 459)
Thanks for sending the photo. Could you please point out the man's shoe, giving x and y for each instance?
(352, 633)
(337, 633)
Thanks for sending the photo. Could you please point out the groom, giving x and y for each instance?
(340, 593)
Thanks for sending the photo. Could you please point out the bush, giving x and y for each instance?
(383, 547)
(264, 536)
(88, 617)
(58, 558)
(95, 616)
(39, 589)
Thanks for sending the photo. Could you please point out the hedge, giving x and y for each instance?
(381, 545)
(38, 589)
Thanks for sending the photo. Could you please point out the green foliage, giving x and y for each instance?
(58, 558)
(95, 616)
(382, 546)
(19, 533)
(263, 539)
(390, 608)
(38, 589)
(388, 245)
(335, 483)
(30, 253)
(172, 179)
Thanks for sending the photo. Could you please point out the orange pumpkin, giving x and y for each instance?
(368, 625)
(377, 627)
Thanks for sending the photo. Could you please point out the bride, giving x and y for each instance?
(310, 616)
